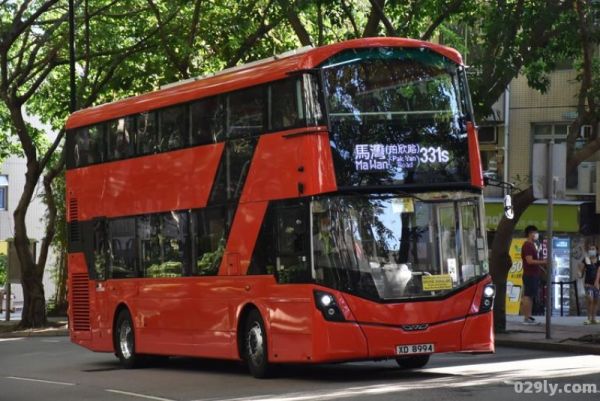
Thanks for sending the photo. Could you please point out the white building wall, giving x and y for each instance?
(15, 168)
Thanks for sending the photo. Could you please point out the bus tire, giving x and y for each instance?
(413, 362)
(255, 345)
(125, 341)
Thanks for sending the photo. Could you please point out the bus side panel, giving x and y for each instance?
(337, 341)
(286, 166)
(87, 309)
(478, 333)
(242, 238)
(298, 332)
(183, 178)
(187, 316)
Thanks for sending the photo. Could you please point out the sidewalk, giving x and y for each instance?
(568, 335)
(57, 326)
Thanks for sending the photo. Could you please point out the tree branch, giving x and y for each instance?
(450, 9)
(296, 24)
(378, 6)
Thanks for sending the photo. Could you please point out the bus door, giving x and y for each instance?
(293, 244)
(447, 230)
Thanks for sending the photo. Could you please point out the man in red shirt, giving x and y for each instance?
(532, 272)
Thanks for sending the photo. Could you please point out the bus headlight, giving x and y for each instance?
(329, 308)
(487, 298)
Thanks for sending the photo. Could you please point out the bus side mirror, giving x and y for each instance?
(508, 208)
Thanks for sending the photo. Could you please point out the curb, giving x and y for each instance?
(568, 346)
(32, 333)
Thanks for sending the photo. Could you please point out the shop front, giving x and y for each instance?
(575, 224)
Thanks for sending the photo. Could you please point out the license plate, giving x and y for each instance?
(415, 349)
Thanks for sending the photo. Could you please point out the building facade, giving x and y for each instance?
(12, 181)
(508, 154)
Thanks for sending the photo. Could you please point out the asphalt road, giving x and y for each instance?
(51, 368)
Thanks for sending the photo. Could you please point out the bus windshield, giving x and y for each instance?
(397, 117)
(391, 247)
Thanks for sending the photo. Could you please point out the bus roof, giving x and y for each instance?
(240, 77)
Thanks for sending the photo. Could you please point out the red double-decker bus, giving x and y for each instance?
(323, 205)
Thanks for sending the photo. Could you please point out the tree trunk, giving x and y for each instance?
(34, 302)
(500, 261)
(61, 285)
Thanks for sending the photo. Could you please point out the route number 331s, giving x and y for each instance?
(430, 154)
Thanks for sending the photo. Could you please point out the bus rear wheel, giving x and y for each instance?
(412, 362)
(255, 345)
(124, 340)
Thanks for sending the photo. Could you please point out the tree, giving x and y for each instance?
(32, 56)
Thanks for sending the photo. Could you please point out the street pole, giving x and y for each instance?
(72, 84)
(549, 257)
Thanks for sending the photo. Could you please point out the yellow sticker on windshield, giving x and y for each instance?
(437, 282)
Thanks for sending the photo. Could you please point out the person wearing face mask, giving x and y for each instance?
(590, 273)
(532, 272)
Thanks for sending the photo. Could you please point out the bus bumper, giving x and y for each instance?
(352, 341)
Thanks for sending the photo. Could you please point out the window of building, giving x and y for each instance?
(245, 112)
(580, 180)
(145, 135)
(89, 145)
(3, 192)
(173, 131)
(120, 138)
(207, 121)
(122, 240)
(210, 235)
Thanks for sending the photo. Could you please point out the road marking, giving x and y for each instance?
(12, 339)
(149, 397)
(40, 381)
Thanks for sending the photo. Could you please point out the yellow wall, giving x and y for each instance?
(528, 106)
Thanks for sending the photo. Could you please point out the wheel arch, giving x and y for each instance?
(120, 307)
(242, 315)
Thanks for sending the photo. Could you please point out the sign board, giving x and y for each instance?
(514, 281)
(437, 282)
(566, 217)
(539, 169)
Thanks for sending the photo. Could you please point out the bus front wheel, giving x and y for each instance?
(255, 345)
(412, 362)
(125, 341)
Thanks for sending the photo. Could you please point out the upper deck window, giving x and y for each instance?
(245, 112)
(173, 131)
(89, 145)
(207, 120)
(396, 117)
(291, 102)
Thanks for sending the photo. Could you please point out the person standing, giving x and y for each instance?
(532, 272)
(590, 273)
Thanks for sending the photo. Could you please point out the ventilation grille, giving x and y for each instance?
(74, 232)
(80, 302)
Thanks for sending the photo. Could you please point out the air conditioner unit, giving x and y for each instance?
(487, 134)
(585, 131)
